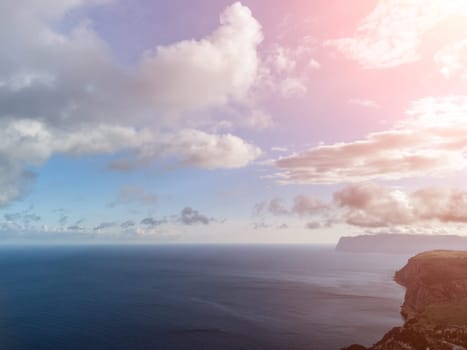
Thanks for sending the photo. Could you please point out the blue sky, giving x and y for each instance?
(231, 122)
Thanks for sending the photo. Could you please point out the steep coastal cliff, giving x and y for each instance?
(435, 304)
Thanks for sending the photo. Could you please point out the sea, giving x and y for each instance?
(201, 297)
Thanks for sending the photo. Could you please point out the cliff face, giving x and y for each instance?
(435, 304)
(432, 278)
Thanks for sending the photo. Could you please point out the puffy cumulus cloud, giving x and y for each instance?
(374, 206)
(225, 64)
(452, 59)
(65, 93)
(391, 35)
(430, 141)
(209, 151)
(445, 205)
(74, 78)
(190, 216)
(190, 147)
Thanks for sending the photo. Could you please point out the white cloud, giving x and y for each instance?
(65, 93)
(224, 64)
(371, 205)
(314, 64)
(391, 35)
(286, 69)
(452, 59)
(209, 151)
(283, 59)
(431, 141)
(33, 142)
(74, 78)
(259, 119)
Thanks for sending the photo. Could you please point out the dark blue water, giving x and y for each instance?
(194, 297)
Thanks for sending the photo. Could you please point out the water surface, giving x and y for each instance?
(195, 297)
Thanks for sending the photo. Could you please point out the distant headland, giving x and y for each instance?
(400, 243)
(435, 304)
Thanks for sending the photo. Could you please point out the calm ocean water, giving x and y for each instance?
(195, 297)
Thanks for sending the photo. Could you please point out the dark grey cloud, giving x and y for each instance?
(150, 221)
(75, 228)
(24, 217)
(127, 224)
(189, 216)
(314, 225)
(104, 225)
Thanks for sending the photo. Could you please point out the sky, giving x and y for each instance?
(212, 121)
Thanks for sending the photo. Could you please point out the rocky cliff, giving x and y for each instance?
(435, 304)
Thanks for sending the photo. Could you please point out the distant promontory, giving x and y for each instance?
(400, 243)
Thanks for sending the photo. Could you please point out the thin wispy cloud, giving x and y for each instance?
(431, 141)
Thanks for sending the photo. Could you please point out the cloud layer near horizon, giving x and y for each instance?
(371, 205)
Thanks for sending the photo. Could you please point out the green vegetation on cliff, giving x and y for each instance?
(435, 303)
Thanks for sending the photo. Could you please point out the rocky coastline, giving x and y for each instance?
(434, 307)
